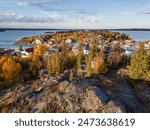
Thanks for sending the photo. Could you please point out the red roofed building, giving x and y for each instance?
(9, 51)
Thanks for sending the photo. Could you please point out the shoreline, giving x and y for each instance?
(15, 44)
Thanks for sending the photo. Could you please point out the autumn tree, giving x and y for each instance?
(89, 61)
(11, 71)
(139, 67)
(39, 49)
(3, 59)
(100, 65)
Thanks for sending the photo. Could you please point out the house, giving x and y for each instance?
(24, 54)
(68, 41)
(39, 41)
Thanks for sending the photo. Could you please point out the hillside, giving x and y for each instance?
(105, 93)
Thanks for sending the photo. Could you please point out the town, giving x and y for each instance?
(53, 42)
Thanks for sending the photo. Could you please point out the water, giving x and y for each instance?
(8, 38)
(137, 35)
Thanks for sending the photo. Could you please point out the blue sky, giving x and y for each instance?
(75, 13)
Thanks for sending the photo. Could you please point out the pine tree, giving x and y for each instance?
(71, 75)
(89, 64)
(79, 57)
(139, 67)
(54, 64)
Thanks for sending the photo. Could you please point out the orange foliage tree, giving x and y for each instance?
(11, 71)
(39, 49)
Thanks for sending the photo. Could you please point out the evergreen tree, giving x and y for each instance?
(71, 75)
(80, 57)
(139, 67)
(89, 63)
(88, 66)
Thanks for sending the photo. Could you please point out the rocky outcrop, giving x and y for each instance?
(58, 94)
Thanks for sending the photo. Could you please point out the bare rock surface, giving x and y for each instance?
(58, 94)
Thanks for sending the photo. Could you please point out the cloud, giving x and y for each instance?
(36, 2)
(11, 16)
(147, 12)
(44, 18)
(81, 20)
(127, 13)
(140, 12)
(42, 4)
(23, 3)
(85, 12)
(89, 20)
(84, 16)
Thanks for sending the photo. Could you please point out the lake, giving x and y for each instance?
(8, 38)
(137, 35)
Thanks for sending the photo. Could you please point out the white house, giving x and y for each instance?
(68, 41)
(147, 46)
(38, 41)
(24, 54)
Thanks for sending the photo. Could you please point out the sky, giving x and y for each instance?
(64, 14)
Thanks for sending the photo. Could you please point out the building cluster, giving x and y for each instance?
(53, 44)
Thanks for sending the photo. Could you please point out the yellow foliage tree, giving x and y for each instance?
(100, 66)
(11, 71)
(39, 49)
(2, 61)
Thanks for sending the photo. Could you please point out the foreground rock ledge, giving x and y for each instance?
(56, 94)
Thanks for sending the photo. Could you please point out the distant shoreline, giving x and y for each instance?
(134, 29)
(33, 29)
